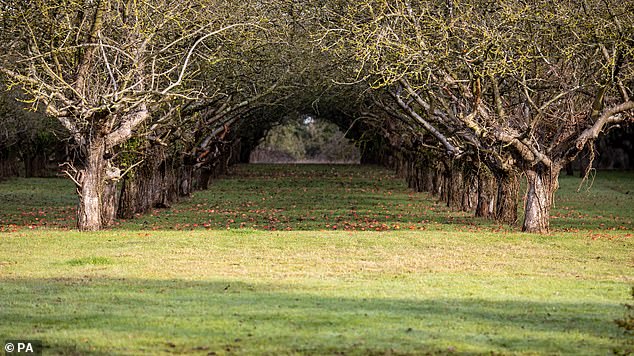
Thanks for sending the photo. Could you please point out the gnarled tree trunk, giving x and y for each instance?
(109, 202)
(506, 201)
(455, 187)
(91, 187)
(97, 189)
(542, 182)
(486, 195)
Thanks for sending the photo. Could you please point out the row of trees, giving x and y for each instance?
(29, 143)
(157, 95)
(519, 87)
(125, 77)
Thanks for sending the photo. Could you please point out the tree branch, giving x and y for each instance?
(609, 116)
(451, 149)
(124, 132)
(191, 52)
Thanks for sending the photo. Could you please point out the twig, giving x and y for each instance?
(72, 177)
(130, 168)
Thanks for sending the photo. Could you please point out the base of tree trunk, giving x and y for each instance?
(485, 207)
(542, 182)
(508, 187)
(109, 203)
(91, 179)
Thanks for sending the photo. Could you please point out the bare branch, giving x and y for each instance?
(193, 48)
(608, 117)
(451, 149)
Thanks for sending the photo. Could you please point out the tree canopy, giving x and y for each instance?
(489, 91)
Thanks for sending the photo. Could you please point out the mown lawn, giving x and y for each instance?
(315, 260)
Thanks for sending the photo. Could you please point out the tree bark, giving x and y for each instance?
(455, 188)
(506, 201)
(542, 182)
(109, 203)
(470, 192)
(91, 189)
(486, 195)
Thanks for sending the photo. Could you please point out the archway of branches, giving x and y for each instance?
(460, 98)
(254, 127)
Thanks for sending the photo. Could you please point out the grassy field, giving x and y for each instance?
(315, 260)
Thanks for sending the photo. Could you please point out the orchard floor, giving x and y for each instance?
(315, 260)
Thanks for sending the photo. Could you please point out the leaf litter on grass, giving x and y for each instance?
(277, 198)
(320, 197)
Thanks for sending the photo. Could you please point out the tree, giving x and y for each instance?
(520, 87)
(101, 67)
(27, 139)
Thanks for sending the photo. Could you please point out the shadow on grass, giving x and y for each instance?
(93, 315)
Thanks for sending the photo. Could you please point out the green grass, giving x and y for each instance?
(604, 202)
(451, 284)
(89, 261)
(37, 202)
(301, 197)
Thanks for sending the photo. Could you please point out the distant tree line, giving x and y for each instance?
(31, 145)
(463, 98)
